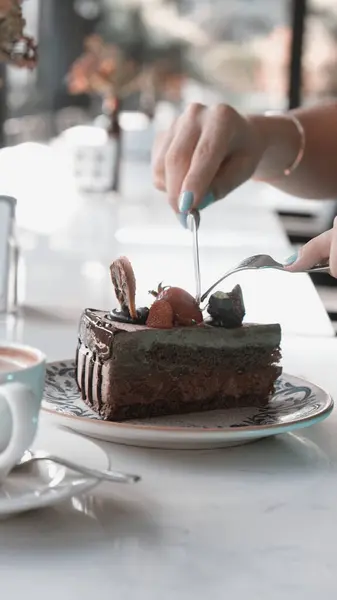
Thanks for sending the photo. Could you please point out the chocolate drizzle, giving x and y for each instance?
(99, 385)
(92, 360)
(83, 374)
(77, 351)
(85, 371)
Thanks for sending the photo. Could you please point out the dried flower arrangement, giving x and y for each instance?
(104, 70)
(16, 48)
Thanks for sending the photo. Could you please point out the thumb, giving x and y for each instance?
(311, 254)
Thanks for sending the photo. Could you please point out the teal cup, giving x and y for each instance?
(22, 376)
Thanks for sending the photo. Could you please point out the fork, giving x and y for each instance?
(262, 261)
(104, 475)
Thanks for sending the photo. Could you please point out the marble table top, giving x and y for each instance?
(255, 521)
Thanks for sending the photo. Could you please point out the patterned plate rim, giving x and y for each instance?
(321, 413)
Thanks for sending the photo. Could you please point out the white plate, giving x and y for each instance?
(295, 404)
(44, 483)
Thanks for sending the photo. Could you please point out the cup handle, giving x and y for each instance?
(20, 400)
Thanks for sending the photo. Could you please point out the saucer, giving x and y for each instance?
(44, 483)
(296, 404)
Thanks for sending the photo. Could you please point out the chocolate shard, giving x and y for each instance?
(227, 309)
(123, 316)
(124, 282)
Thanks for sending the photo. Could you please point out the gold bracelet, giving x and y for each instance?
(301, 149)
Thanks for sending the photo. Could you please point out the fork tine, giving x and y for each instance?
(257, 261)
(262, 261)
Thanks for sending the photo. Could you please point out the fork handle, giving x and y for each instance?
(319, 269)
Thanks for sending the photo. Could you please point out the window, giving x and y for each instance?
(242, 52)
(319, 61)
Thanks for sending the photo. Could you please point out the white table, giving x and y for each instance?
(321, 214)
(255, 521)
(69, 270)
(70, 241)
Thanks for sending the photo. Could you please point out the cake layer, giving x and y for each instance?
(98, 332)
(127, 371)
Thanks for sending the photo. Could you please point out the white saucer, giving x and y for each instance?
(295, 404)
(44, 484)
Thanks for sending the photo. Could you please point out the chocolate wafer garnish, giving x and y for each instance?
(124, 282)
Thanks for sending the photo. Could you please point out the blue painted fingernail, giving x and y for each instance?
(185, 203)
(291, 259)
(206, 201)
(182, 218)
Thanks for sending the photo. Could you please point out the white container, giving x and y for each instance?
(92, 154)
(9, 256)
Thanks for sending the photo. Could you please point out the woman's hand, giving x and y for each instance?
(320, 249)
(206, 154)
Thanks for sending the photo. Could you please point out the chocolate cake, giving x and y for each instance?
(167, 360)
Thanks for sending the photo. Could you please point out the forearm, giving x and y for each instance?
(316, 176)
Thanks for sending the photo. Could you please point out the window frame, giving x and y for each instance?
(298, 14)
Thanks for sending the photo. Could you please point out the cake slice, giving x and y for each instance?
(127, 371)
(166, 360)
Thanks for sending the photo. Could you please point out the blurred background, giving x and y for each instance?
(113, 72)
(132, 65)
(237, 51)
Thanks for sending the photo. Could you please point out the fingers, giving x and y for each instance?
(187, 158)
(333, 250)
(181, 150)
(212, 149)
(173, 151)
(316, 251)
(160, 148)
(320, 249)
(158, 173)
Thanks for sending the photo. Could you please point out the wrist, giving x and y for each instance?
(280, 143)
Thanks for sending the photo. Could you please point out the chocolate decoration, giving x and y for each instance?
(227, 310)
(121, 316)
(124, 282)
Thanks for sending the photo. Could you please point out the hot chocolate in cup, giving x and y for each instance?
(15, 359)
(22, 375)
